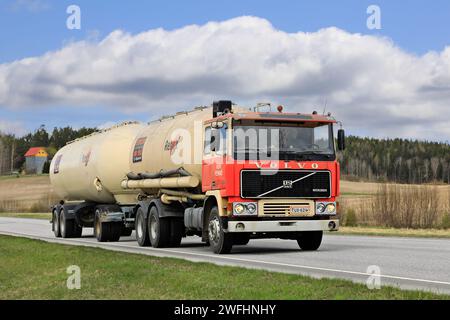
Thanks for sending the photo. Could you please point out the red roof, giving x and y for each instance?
(33, 151)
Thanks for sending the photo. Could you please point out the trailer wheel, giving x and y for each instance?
(106, 231)
(241, 239)
(176, 232)
(219, 241)
(141, 229)
(55, 224)
(158, 229)
(68, 227)
(310, 240)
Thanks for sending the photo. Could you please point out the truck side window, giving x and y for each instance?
(207, 146)
(216, 140)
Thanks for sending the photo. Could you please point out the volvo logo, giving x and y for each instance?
(287, 184)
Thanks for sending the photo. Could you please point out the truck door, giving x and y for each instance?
(214, 156)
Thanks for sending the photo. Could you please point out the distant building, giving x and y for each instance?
(35, 159)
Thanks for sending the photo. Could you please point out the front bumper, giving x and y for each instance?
(283, 225)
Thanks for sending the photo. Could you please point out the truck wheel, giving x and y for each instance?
(176, 232)
(241, 239)
(55, 224)
(310, 240)
(68, 227)
(141, 229)
(158, 229)
(219, 241)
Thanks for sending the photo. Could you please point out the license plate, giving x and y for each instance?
(300, 210)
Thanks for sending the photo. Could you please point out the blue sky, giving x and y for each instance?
(30, 28)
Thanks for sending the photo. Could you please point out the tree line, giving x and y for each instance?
(395, 160)
(13, 149)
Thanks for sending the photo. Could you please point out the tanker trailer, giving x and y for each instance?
(189, 174)
(86, 175)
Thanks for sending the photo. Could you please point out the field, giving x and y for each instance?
(32, 269)
(27, 194)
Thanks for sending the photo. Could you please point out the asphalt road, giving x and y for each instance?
(410, 263)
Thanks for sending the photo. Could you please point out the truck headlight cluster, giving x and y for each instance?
(245, 208)
(328, 208)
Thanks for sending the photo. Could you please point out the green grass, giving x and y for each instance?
(43, 215)
(31, 269)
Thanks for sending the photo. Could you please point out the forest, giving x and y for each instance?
(395, 160)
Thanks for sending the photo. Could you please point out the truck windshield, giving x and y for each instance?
(287, 142)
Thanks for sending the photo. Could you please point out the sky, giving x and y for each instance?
(138, 60)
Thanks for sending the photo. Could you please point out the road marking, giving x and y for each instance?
(219, 257)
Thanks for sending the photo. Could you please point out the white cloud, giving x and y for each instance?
(368, 82)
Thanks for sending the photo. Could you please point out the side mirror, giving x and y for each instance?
(217, 125)
(341, 140)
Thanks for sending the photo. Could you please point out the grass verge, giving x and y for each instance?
(392, 232)
(44, 215)
(32, 269)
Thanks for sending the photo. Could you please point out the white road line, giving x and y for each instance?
(117, 244)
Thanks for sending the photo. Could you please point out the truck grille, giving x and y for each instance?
(287, 208)
(285, 184)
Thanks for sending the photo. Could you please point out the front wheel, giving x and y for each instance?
(310, 240)
(219, 241)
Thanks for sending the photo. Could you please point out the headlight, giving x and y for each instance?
(245, 208)
(320, 208)
(239, 208)
(251, 207)
(326, 208)
(331, 208)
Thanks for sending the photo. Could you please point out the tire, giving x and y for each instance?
(141, 229)
(219, 241)
(68, 227)
(241, 239)
(126, 232)
(55, 224)
(310, 240)
(158, 229)
(106, 231)
(176, 232)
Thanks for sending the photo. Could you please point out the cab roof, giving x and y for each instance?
(275, 116)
